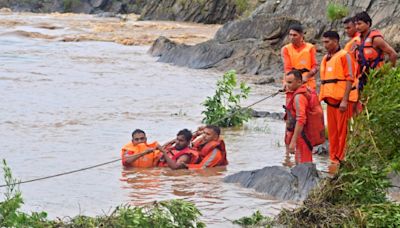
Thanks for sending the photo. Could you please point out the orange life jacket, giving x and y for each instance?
(333, 81)
(175, 154)
(146, 161)
(210, 155)
(368, 57)
(301, 60)
(314, 129)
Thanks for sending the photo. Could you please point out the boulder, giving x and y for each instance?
(280, 182)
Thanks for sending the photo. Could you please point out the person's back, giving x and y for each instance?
(138, 153)
(211, 147)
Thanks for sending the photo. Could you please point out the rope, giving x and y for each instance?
(64, 173)
(109, 162)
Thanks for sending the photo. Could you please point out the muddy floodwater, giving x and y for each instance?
(68, 105)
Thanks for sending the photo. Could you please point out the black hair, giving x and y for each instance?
(363, 16)
(186, 134)
(297, 74)
(297, 27)
(138, 131)
(331, 35)
(216, 129)
(348, 20)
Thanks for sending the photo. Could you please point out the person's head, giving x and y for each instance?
(138, 136)
(363, 22)
(330, 39)
(294, 80)
(296, 34)
(349, 26)
(211, 133)
(183, 139)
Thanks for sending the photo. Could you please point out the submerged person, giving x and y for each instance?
(177, 154)
(211, 148)
(138, 153)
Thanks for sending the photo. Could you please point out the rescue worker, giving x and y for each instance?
(300, 55)
(138, 153)
(296, 109)
(371, 48)
(211, 148)
(178, 153)
(337, 77)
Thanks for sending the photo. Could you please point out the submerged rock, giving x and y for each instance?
(280, 182)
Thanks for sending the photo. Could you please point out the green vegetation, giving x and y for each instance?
(223, 109)
(242, 5)
(170, 214)
(255, 220)
(70, 4)
(336, 11)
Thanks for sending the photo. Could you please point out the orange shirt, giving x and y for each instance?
(288, 65)
(300, 105)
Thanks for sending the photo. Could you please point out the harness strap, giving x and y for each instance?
(332, 105)
(331, 81)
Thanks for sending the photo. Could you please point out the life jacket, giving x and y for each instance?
(146, 161)
(301, 60)
(314, 129)
(210, 155)
(367, 56)
(333, 81)
(175, 154)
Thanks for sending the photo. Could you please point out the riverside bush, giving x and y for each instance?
(169, 214)
(336, 11)
(223, 109)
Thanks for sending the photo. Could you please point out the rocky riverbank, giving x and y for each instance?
(252, 45)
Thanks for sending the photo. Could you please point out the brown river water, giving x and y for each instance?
(68, 105)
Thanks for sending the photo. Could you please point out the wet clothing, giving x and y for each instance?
(211, 154)
(175, 154)
(146, 161)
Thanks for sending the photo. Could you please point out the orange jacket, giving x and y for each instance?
(367, 56)
(211, 154)
(335, 71)
(175, 154)
(302, 58)
(146, 161)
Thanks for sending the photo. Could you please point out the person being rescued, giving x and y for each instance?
(211, 148)
(177, 153)
(138, 153)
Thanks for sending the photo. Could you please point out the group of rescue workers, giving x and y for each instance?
(203, 149)
(343, 75)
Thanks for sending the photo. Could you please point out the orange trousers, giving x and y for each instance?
(303, 153)
(337, 131)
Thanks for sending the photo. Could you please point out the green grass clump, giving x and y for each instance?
(169, 214)
(336, 11)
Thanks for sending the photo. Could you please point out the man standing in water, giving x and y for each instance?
(138, 153)
(177, 154)
(337, 77)
(211, 148)
(371, 47)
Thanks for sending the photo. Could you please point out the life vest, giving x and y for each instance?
(146, 161)
(314, 129)
(333, 81)
(175, 154)
(210, 155)
(367, 56)
(301, 60)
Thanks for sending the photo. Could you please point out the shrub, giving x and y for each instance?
(336, 11)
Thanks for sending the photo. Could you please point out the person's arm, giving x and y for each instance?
(349, 69)
(380, 43)
(179, 164)
(301, 104)
(314, 64)
(131, 158)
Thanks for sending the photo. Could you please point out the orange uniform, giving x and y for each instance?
(303, 58)
(336, 69)
(175, 154)
(211, 154)
(146, 161)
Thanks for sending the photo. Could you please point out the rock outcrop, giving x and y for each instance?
(207, 11)
(252, 45)
(280, 182)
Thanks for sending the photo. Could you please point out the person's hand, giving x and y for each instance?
(343, 106)
(306, 77)
(291, 148)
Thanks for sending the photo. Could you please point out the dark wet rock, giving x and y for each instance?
(394, 178)
(256, 41)
(263, 114)
(280, 182)
(207, 11)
